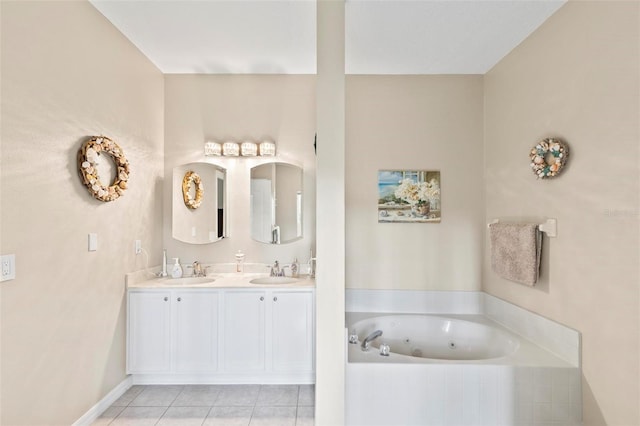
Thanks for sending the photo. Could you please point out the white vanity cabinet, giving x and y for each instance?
(269, 334)
(196, 331)
(244, 331)
(222, 335)
(172, 331)
(148, 331)
(292, 337)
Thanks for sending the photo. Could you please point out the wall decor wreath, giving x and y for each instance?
(87, 158)
(548, 157)
(192, 178)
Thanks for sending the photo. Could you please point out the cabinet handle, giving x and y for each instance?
(275, 299)
(179, 299)
(166, 299)
(261, 298)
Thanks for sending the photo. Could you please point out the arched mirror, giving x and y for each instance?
(199, 203)
(276, 203)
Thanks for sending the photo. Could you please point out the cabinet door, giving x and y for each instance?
(149, 332)
(292, 330)
(244, 341)
(196, 331)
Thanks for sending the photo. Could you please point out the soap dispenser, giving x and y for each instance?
(176, 272)
(295, 268)
(239, 260)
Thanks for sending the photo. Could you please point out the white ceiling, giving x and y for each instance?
(279, 37)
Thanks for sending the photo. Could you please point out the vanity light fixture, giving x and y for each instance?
(230, 149)
(248, 149)
(244, 149)
(267, 149)
(212, 149)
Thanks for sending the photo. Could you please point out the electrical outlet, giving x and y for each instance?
(138, 248)
(8, 263)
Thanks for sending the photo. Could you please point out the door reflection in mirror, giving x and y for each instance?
(276, 203)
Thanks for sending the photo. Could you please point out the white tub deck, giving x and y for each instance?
(531, 386)
(527, 354)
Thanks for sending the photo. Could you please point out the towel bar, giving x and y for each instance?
(549, 227)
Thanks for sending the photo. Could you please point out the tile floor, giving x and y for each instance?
(213, 405)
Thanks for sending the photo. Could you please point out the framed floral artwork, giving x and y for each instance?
(409, 196)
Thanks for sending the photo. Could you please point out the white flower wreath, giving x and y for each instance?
(190, 178)
(87, 157)
(548, 157)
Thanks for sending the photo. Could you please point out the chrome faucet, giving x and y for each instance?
(197, 269)
(365, 343)
(275, 270)
(312, 267)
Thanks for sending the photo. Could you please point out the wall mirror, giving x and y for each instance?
(276, 203)
(199, 203)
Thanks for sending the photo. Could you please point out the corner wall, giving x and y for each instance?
(578, 78)
(67, 74)
(415, 123)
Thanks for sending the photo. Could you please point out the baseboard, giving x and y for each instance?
(101, 406)
(223, 379)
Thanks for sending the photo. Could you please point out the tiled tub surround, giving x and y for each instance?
(557, 338)
(538, 385)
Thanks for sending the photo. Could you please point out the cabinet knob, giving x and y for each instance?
(261, 298)
(179, 299)
(166, 299)
(275, 299)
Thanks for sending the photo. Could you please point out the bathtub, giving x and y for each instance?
(454, 370)
(436, 337)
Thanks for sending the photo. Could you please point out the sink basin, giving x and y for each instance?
(273, 280)
(189, 281)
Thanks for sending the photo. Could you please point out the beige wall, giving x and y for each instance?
(577, 77)
(415, 123)
(67, 73)
(239, 107)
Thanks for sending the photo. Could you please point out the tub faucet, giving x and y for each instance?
(369, 339)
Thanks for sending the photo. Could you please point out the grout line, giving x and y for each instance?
(208, 412)
(255, 404)
(165, 412)
(253, 409)
(297, 412)
(170, 404)
(295, 423)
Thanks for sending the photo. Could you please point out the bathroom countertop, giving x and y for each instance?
(146, 280)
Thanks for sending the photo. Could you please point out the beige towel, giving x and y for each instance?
(515, 251)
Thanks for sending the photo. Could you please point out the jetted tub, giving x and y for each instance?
(454, 370)
(436, 337)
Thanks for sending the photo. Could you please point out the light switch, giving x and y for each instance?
(93, 242)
